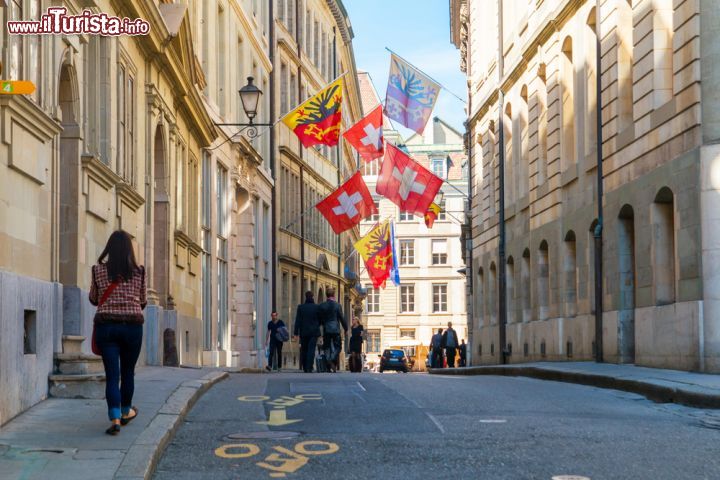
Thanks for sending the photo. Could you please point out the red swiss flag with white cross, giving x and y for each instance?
(366, 136)
(348, 205)
(406, 183)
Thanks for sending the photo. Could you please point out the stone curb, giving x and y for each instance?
(141, 458)
(656, 390)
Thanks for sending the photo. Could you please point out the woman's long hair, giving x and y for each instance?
(120, 256)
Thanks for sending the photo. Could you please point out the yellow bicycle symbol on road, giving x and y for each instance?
(281, 461)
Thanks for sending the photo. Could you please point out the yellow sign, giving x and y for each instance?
(278, 418)
(249, 447)
(281, 461)
(16, 87)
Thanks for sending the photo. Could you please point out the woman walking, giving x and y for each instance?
(118, 290)
(356, 339)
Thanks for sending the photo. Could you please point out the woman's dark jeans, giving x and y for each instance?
(120, 344)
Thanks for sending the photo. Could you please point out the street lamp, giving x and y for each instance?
(249, 97)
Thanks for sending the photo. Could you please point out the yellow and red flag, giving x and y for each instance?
(432, 213)
(375, 248)
(317, 120)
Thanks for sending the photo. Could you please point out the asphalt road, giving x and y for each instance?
(417, 426)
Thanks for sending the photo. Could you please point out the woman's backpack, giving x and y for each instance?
(282, 334)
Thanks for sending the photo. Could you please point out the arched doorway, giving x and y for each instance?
(626, 273)
(161, 207)
(70, 138)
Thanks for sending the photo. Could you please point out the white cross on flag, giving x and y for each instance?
(366, 136)
(348, 205)
(406, 183)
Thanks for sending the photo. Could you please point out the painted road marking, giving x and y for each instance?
(222, 452)
(436, 422)
(569, 477)
(493, 420)
(253, 398)
(277, 418)
(281, 461)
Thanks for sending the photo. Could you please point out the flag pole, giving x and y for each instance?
(431, 78)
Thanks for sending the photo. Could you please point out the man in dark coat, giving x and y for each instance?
(307, 327)
(463, 353)
(450, 344)
(436, 353)
(332, 319)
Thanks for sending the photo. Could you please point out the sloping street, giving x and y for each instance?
(417, 425)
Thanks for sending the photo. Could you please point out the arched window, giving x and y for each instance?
(510, 289)
(523, 160)
(543, 281)
(493, 295)
(525, 299)
(625, 46)
(591, 266)
(567, 92)
(626, 284)
(542, 127)
(570, 271)
(480, 297)
(662, 35)
(509, 133)
(590, 84)
(663, 248)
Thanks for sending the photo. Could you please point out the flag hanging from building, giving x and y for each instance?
(431, 214)
(375, 248)
(406, 183)
(410, 95)
(348, 205)
(317, 120)
(366, 136)
(395, 270)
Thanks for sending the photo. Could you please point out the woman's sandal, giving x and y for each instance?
(113, 430)
(125, 420)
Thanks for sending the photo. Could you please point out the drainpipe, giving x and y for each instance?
(273, 168)
(501, 248)
(599, 172)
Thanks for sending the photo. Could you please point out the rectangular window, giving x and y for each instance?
(439, 297)
(284, 89)
(222, 210)
(375, 217)
(373, 341)
(180, 187)
(407, 252)
(439, 252)
(206, 190)
(406, 216)
(316, 44)
(266, 233)
(371, 168)
(372, 301)
(221, 59)
(407, 334)
(407, 298)
(121, 120)
(442, 215)
(438, 167)
(206, 289)
(293, 91)
(222, 313)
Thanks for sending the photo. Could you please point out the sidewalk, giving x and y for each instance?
(666, 386)
(65, 438)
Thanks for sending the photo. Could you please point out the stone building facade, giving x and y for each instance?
(432, 289)
(659, 78)
(313, 46)
(121, 133)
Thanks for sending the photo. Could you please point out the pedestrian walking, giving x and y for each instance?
(436, 350)
(276, 335)
(463, 353)
(118, 290)
(307, 327)
(357, 334)
(450, 344)
(332, 320)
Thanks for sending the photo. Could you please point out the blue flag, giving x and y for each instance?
(395, 270)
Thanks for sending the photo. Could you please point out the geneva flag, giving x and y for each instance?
(375, 248)
(410, 96)
(317, 120)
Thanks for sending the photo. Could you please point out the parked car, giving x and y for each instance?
(394, 359)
